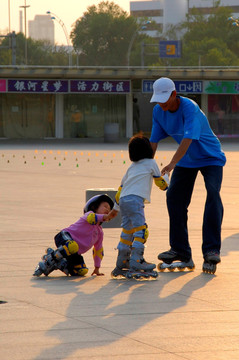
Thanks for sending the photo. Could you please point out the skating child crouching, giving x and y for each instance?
(134, 190)
(77, 239)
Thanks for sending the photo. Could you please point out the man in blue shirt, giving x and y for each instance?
(199, 150)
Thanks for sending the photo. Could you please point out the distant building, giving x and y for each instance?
(42, 28)
(20, 21)
(172, 12)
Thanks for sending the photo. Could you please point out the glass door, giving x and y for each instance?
(30, 116)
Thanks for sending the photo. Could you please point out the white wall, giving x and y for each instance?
(174, 12)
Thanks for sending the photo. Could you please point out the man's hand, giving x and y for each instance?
(168, 168)
(181, 151)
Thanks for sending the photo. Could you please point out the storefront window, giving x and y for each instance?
(223, 114)
(85, 115)
(27, 116)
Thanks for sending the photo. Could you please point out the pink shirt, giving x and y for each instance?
(87, 235)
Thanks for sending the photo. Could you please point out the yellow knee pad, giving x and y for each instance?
(146, 233)
(71, 247)
(145, 236)
(80, 270)
(133, 230)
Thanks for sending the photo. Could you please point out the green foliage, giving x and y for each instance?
(38, 53)
(212, 40)
(207, 40)
(102, 35)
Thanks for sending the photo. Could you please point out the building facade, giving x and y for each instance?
(171, 12)
(91, 102)
(42, 28)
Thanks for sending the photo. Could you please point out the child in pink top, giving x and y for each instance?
(78, 238)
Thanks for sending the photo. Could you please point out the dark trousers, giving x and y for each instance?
(178, 199)
(76, 259)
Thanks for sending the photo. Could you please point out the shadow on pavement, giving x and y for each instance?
(103, 313)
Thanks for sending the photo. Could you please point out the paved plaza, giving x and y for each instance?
(179, 316)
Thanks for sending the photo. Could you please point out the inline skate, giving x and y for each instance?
(211, 259)
(169, 261)
(122, 264)
(140, 269)
(52, 260)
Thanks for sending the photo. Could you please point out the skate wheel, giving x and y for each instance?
(117, 276)
(209, 268)
(181, 268)
(161, 267)
(129, 275)
(113, 275)
(37, 273)
(155, 275)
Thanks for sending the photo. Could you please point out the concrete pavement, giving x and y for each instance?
(181, 315)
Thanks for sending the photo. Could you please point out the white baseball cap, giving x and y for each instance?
(163, 88)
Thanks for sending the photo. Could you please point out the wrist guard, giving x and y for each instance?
(161, 182)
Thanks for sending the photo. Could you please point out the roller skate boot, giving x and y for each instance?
(122, 264)
(169, 261)
(140, 269)
(211, 259)
(52, 260)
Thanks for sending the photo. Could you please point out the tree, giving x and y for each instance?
(38, 52)
(210, 41)
(207, 40)
(102, 35)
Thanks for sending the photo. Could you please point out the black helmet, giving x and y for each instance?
(94, 202)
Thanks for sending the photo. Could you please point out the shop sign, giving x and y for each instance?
(3, 86)
(100, 86)
(221, 87)
(37, 86)
(182, 86)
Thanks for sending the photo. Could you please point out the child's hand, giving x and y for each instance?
(112, 214)
(97, 272)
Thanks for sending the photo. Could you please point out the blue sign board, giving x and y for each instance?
(69, 86)
(100, 86)
(182, 86)
(37, 86)
(170, 48)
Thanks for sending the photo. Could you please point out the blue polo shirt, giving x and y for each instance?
(188, 122)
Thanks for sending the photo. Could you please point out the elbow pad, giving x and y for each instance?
(117, 196)
(92, 219)
(99, 253)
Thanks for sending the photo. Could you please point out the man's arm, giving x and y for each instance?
(181, 151)
(154, 147)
